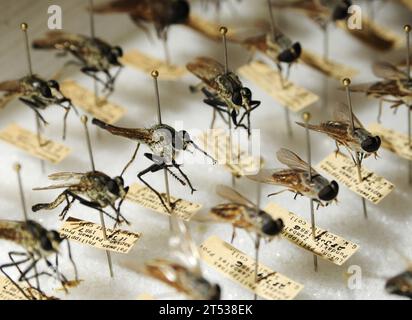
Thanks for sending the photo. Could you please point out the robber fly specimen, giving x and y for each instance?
(38, 94)
(400, 284)
(101, 190)
(164, 142)
(359, 140)
(94, 55)
(242, 213)
(162, 13)
(39, 244)
(224, 91)
(297, 179)
(185, 276)
(394, 88)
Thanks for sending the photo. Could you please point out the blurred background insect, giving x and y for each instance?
(400, 284)
(185, 274)
(40, 244)
(165, 143)
(224, 91)
(101, 190)
(356, 140)
(93, 55)
(297, 179)
(37, 94)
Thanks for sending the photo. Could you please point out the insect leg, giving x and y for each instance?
(63, 280)
(131, 160)
(276, 193)
(51, 205)
(34, 106)
(184, 176)
(233, 235)
(91, 72)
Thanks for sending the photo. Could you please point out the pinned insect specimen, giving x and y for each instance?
(393, 88)
(184, 276)
(400, 284)
(39, 244)
(297, 179)
(101, 190)
(355, 138)
(94, 55)
(244, 214)
(164, 142)
(223, 89)
(38, 94)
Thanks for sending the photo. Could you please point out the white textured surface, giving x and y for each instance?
(387, 232)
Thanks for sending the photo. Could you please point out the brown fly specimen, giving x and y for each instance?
(101, 190)
(164, 142)
(37, 94)
(400, 284)
(93, 55)
(297, 179)
(39, 244)
(356, 140)
(223, 90)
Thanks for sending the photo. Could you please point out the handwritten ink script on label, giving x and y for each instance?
(289, 95)
(299, 231)
(147, 64)
(28, 142)
(373, 187)
(393, 141)
(8, 291)
(92, 234)
(148, 199)
(235, 160)
(85, 99)
(240, 268)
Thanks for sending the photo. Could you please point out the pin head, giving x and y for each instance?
(223, 30)
(346, 82)
(306, 116)
(407, 28)
(17, 167)
(155, 73)
(84, 119)
(24, 26)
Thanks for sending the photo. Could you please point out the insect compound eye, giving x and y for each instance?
(46, 243)
(341, 10)
(237, 98)
(292, 54)
(179, 11)
(329, 192)
(113, 187)
(182, 139)
(117, 51)
(371, 144)
(272, 227)
(54, 84)
(246, 93)
(119, 181)
(45, 91)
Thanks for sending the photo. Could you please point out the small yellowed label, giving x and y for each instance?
(372, 187)
(228, 153)
(28, 142)
(147, 64)
(285, 92)
(328, 67)
(101, 109)
(240, 268)
(393, 141)
(148, 199)
(91, 234)
(8, 291)
(326, 245)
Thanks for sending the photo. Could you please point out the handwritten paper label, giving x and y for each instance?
(299, 231)
(393, 141)
(328, 67)
(8, 291)
(85, 99)
(374, 34)
(240, 268)
(148, 199)
(289, 95)
(373, 187)
(147, 64)
(28, 142)
(235, 160)
(91, 234)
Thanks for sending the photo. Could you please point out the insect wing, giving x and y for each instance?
(341, 113)
(233, 196)
(206, 69)
(388, 71)
(292, 160)
(12, 86)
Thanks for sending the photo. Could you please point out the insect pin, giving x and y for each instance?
(297, 179)
(184, 274)
(223, 89)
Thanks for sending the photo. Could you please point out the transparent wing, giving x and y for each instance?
(387, 70)
(64, 176)
(266, 175)
(206, 68)
(292, 160)
(232, 195)
(341, 113)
